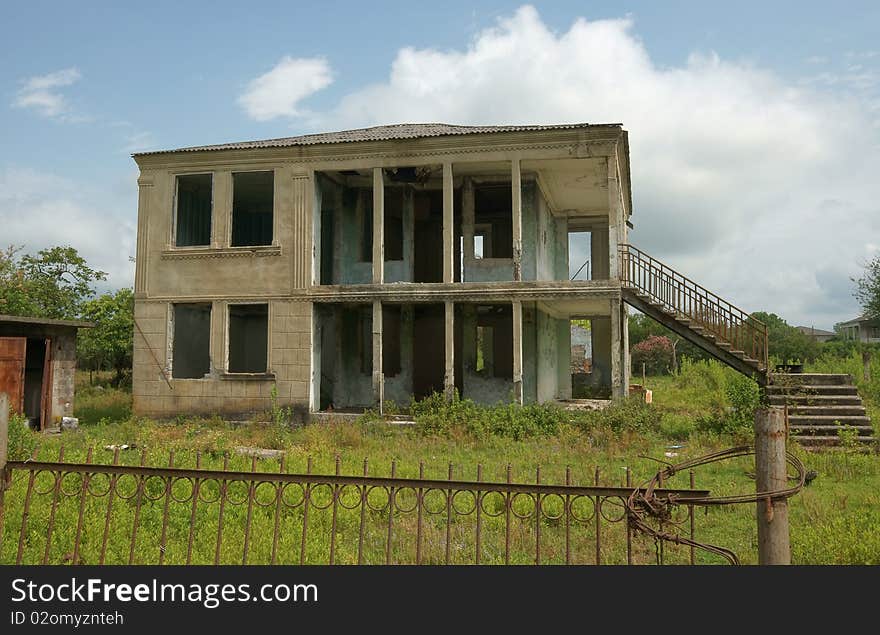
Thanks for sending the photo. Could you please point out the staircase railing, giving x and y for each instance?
(684, 297)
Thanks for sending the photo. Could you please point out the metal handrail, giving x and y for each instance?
(684, 297)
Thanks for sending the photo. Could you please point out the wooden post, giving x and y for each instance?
(866, 361)
(770, 475)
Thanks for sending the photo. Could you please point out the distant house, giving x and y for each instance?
(860, 329)
(818, 335)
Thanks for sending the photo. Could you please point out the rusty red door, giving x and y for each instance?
(12, 352)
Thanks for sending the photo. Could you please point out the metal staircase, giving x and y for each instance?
(721, 329)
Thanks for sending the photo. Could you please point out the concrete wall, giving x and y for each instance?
(398, 388)
(290, 325)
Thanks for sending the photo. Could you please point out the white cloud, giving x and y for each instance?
(41, 93)
(278, 92)
(39, 210)
(760, 187)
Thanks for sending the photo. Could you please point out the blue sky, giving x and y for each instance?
(754, 126)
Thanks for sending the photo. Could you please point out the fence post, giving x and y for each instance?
(770, 475)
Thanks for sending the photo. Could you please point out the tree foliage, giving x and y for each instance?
(108, 345)
(54, 283)
(868, 289)
(641, 327)
(785, 342)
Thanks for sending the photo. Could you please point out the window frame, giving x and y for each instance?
(173, 334)
(274, 242)
(175, 198)
(227, 332)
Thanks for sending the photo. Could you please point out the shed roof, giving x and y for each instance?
(377, 133)
(22, 319)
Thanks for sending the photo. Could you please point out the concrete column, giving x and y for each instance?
(145, 189)
(378, 225)
(221, 212)
(467, 221)
(615, 353)
(516, 188)
(449, 375)
(600, 260)
(625, 364)
(378, 375)
(518, 352)
(448, 225)
(409, 232)
(615, 218)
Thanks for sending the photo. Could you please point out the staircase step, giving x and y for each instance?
(826, 420)
(812, 379)
(827, 411)
(826, 440)
(776, 389)
(863, 431)
(814, 400)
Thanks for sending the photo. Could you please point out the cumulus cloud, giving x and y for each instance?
(39, 210)
(41, 93)
(761, 187)
(278, 92)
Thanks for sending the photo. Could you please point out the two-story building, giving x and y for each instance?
(346, 269)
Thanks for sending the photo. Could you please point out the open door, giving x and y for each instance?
(46, 400)
(12, 364)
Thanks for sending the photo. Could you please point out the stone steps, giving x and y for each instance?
(819, 406)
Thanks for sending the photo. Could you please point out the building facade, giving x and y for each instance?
(344, 270)
(860, 329)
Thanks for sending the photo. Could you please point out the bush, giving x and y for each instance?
(436, 416)
(631, 414)
(22, 440)
(676, 427)
(655, 353)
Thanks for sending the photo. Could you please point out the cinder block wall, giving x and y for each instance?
(156, 393)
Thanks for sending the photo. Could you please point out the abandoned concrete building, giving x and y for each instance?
(348, 269)
(344, 270)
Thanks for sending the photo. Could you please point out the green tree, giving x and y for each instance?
(868, 289)
(641, 327)
(54, 283)
(785, 341)
(108, 345)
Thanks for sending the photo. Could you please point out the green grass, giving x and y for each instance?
(836, 520)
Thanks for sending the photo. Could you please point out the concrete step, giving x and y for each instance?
(776, 389)
(826, 440)
(826, 420)
(827, 411)
(812, 379)
(863, 431)
(814, 400)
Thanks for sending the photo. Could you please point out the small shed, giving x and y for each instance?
(37, 367)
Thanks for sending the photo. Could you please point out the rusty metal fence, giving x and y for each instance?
(88, 513)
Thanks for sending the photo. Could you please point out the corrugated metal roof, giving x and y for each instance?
(376, 133)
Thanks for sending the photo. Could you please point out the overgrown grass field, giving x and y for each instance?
(706, 407)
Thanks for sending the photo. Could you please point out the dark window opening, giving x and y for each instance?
(248, 338)
(365, 339)
(394, 223)
(390, 340)
(191, 349)
(428, 239)
(253, 197)
(194, 200)
(493, 220)
(365, 208)
(494, 341)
